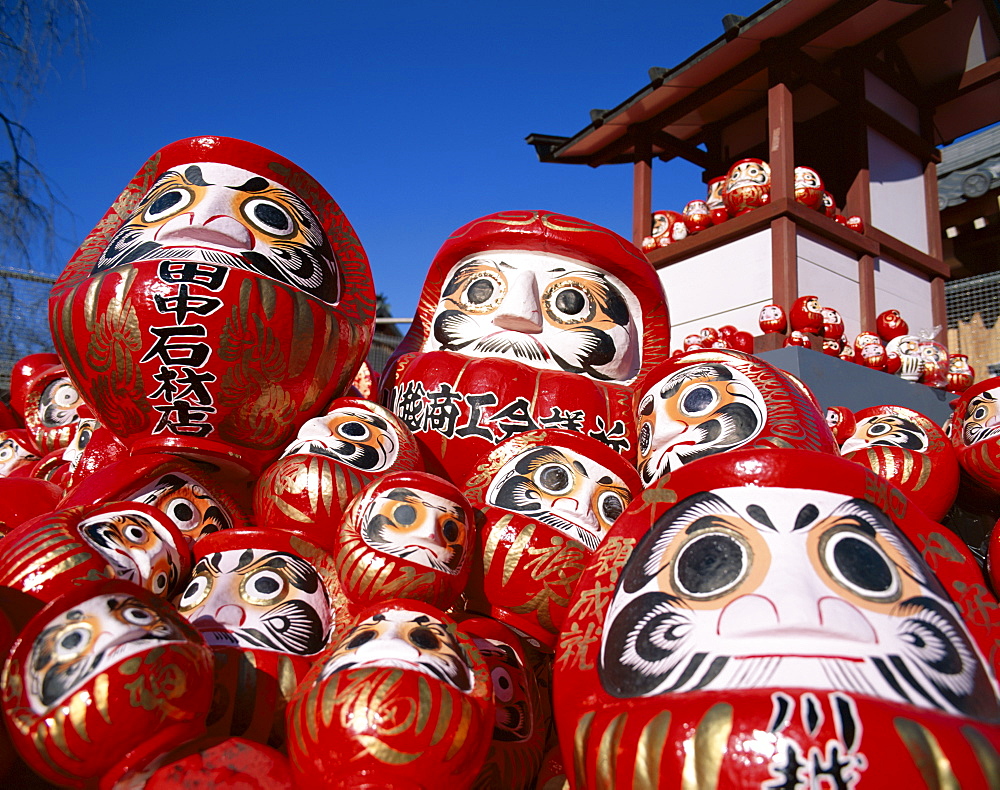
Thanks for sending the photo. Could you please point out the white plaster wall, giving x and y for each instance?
(897, 192)
(726, 285)
(831, 275)
(897, 288)
(882, 96)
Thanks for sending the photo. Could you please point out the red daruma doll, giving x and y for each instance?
(770, 621)
(527, 320)
(547, 499)
(402, 700)
(223, 299)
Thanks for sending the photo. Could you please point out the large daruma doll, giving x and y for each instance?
(779, 618)
(222, 300)
(527, 320)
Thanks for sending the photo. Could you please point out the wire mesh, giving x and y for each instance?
(24, 320)
(973, 306)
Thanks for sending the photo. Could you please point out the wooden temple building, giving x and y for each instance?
(863, 91)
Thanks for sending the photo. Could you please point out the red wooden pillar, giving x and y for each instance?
(642, 191)
(939, 311)
(781, 157)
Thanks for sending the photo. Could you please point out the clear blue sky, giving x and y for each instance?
(412, 115)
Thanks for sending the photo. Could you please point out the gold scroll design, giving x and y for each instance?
(437, 715)
(705, 749)
(928, 756)
(324, 484)
(114, 343)
(362, 574)
(606, 748)
(154, 690)
(49, 553)
(49, 734)
(556, 567)
(263, 409)
(82, 262)
(788, 408)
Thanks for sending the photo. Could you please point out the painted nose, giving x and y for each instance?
(520, 310)
(210, 221)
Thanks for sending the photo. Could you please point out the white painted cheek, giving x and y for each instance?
(316, 428)
(520, 310)
(577, 508)
(389, 647)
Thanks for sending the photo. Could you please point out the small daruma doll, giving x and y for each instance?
(974, 430)
(104, 678)
(51, 404)
(960, 373)
(909, 450)
(332, 458)
(706, 402)
(547, 500)
(808, 187)
(527, 320)
(222, 299)
(806, 315)
(772, 319)
(406, 535)
(748, 186)
(402, 700)
(773, 623)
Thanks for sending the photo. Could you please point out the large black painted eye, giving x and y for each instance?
(138, 615)
(710, 564)
(569, 303)
(857, 563)
(424, 638)
(980, 413)
(645, 438)
(611, 506)
(183, 513)
(405, 515)
(195, 593)
(136, 533)
(484, 292)
(167, 204)
(262, 587)
(268, 216)
(73, 642)
(450, 530)
(361, 638)
(355, 430)
(699, 400)
(554, 479)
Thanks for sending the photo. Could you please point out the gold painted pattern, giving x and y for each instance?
(649, 751)
(929, 759)
(704, 751)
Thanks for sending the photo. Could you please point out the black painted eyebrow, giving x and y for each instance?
(758, 514)
(255, 184)
(705, 522)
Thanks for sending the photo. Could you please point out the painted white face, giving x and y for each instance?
(416, 526)
(92, 636)
(13, 454)
(547, 311)
(983, 417)
(403, 640)
(887, 430)
(563, 489)
(697, 411)
(771, 312)
(59, 403)
(137, 548)
(748, 174)
(215, 213)
(353, 436)
(742, 588)
(186, 503)
(81, 438)
(513, 722)
(258, 598)
(807, 178)
(831, 316)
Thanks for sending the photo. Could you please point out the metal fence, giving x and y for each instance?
(973, 305)
(24, 321)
